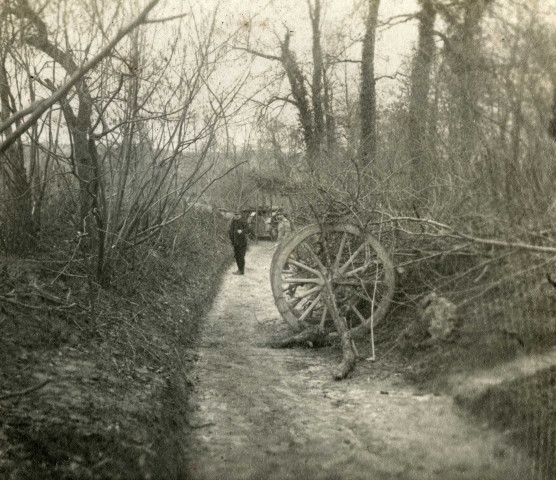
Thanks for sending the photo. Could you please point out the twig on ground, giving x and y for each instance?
(36, 307)
(26, 391)
(202, 425)
(49, 296)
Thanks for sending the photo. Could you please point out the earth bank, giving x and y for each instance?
(105, 369)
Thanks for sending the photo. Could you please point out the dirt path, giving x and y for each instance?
(259, 413)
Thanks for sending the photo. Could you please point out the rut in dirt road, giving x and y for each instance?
(259, 413)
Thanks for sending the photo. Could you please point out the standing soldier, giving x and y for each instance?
(284, 227)
(284, 231)
(238, 236)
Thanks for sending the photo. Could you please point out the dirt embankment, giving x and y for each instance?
(277, 414)
(106, 408)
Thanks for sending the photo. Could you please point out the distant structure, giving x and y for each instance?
(271, 193)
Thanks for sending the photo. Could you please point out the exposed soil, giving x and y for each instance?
(261, 413)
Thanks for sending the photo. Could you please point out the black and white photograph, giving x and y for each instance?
(278, 239)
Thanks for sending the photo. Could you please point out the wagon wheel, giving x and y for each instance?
(358, 267)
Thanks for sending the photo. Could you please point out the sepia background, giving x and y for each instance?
(130, 130)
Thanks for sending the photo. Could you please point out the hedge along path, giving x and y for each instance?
(262, 413)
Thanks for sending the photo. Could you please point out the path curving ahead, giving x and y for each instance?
(259, 413)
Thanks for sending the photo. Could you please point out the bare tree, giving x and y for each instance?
(318, 71)
(315, 109)
(140, 151)
(367, 102)
(420, 87)
(84, 155)
(463, 50)
(16, 221)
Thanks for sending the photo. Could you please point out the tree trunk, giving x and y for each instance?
(552, 124)
(419, 112)
(299, 92)
(465, 57)
(348, 352)
(84, 157)
(330, 119)
(37, 181)
(318, 69)
(368, 141)
(127, 154)
(16, 220)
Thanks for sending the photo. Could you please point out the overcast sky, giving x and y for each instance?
(272, 16)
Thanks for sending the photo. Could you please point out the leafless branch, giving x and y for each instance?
(165, 19)
(397, 20)
(258, 54)
(391, 77)
(447, 230)
(40, 107)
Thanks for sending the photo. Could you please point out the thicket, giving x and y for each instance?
(129, 149)
(90, 385)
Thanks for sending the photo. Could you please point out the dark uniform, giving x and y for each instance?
(239, 241)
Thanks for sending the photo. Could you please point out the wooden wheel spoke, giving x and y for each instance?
(310, 308)
(362, 268)
(361, 290)
(301, 280)
(323, 317)
(355, 271)
(347, 281)
(291, 288)
(298, 303)
(354, 279)
(292, 302)
(358, 313)
(344, 267)
(305, 267)
(340, 251)
(315, 257)
(309, 292)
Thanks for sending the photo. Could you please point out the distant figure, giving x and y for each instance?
(284, 227)
(238, 236)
